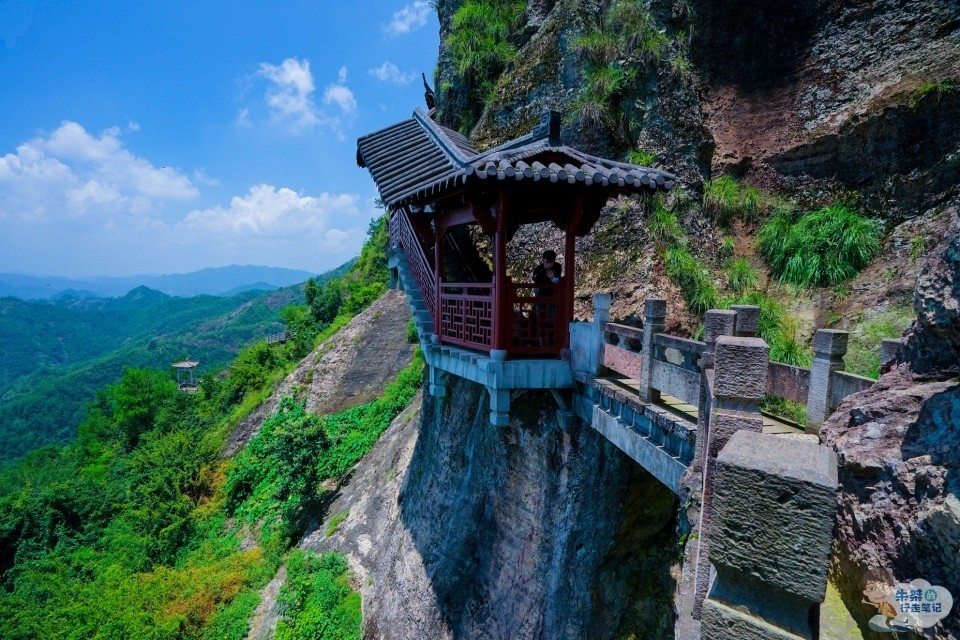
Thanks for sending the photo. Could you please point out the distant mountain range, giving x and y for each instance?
(58, 352)
(218, 281)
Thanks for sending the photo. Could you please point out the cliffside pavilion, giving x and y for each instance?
(435, 184)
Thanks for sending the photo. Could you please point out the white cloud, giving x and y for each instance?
(71, 172)
(411, 17)
(276, 213)
(290, 96)
(290, 99)
(80, 203)
(339, 94)
(200, 177)
(243, 118)
(389, 72)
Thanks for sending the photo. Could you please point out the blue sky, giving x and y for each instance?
(164, 137)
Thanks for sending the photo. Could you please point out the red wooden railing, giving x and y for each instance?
(533, 325)
(539, 324)
(403, 235)
(467, 314)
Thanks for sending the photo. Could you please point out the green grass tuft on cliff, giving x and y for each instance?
(481, 47)
(820, 248)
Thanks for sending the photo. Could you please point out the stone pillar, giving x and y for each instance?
(438, 382)
(499, 407)
(772, 527)
(889, 353)
(748, 320)
(829, 347)
(739, 384)
(394, 279)
(601, 316)
(654, 322)
(716, 323)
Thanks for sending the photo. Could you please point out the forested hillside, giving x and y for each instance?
(140, 529)
(71, 347)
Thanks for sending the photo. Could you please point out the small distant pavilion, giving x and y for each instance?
(186, 373)
(434, 182)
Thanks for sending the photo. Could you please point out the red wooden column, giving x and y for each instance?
(569, 267)
(502, 316)
(438, 273)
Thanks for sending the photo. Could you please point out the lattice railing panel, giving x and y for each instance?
(467, 314)
(539, 324)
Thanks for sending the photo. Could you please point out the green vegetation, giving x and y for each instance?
(741, 277)
(335, 521)
(693, 278)
(641, 157)
(696, 283)
(277, 479)
(139, 529)
(318, 602)
(70, 349)
(481, 47)
(623, 41)
(690, 274)
(820, 248)
(918, 247)
(792, 411)
(863, 349)
(930, 90)
(777, 327)
(729, 200)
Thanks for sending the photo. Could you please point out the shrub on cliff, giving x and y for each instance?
(820, 248)
(480, 44)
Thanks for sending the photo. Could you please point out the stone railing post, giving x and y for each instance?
(587, 339)
(773, 513)
(889, 352)
(829, 347)
(748, 320)
(654, 322)
(716, 323)
(739, 384)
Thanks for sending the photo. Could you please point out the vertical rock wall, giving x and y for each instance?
(528, 531)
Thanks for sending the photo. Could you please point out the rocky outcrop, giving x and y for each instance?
(349, 368)
(462, 530)
(933, 342)
(850, 94)
(897, 445)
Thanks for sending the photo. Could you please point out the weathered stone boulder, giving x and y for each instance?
(898, 444)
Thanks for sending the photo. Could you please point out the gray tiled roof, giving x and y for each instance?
(417, 160)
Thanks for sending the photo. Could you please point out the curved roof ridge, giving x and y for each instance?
(436, 131)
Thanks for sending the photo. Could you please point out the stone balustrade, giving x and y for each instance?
(771, 531)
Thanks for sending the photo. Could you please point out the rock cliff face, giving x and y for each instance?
(898, 446)
(526, 531)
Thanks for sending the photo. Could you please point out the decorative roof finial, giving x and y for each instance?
(549, 127)
(428, 95)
